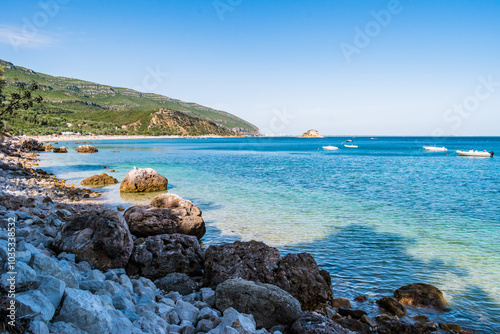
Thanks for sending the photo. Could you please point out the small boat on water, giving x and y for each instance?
(330, 148)
(349, 140)
(435, 149)
(472, 153)
(351, 146)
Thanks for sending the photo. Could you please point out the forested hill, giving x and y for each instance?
(86, 107)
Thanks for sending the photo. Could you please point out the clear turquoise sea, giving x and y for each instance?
(377, 217)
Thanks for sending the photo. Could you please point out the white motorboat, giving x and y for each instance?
(435, 149)
(351, 146)
(330, 148)
(472, 153)
(349, 140)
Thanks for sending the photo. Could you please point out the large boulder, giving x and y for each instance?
(252, 261)
(157, 256)
(168, 214)
(98, 180)
(143, 180)
(48, 147)
(86, 149)
(297, 274)
(269, 305)
(61, 149)
(101, 238)
(313, 323)
(391, 306)
(30, 144)
(422, 295)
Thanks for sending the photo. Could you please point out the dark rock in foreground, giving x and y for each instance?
(391, 306)
(179, 282)
(255, 261)
(269, 304)
(313, 323)
(157, 256)
(143, 180)
(100, 238)
(30, 144)
(168, 214)
(99, 180)
(422, 295)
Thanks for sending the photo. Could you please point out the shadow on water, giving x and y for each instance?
(362, 260)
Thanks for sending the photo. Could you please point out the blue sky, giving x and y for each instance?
(342, 67)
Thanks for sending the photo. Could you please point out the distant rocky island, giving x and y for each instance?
(312, 134)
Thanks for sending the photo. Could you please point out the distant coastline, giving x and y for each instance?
(118, 137)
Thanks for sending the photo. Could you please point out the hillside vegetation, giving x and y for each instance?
(73, 105)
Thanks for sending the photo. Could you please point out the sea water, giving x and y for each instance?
(377, 217)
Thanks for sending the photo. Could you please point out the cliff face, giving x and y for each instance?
(311, 134)
(177, 123)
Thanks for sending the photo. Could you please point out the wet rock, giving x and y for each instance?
(100, 238)
(179, 282)
(450, 327)
(396, 326)
(148, 220)
(99, 180)
(356, 314)
(391, 306)
(157, 256)
(48, 147)
(143, 180)
(361, 299)
(30, 144)
(268, 304)
(341, 302)
(422, 295)
(61, 149)
(354, 325)
(313, 323)
(297, 274)
(86, 149)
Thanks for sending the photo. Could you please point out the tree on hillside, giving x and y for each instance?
(23, 98)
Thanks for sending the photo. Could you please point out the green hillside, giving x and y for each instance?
(102, 109)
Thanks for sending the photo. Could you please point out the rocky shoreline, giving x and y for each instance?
(81, 267)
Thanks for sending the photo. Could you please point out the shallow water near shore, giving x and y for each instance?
(377, 217)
